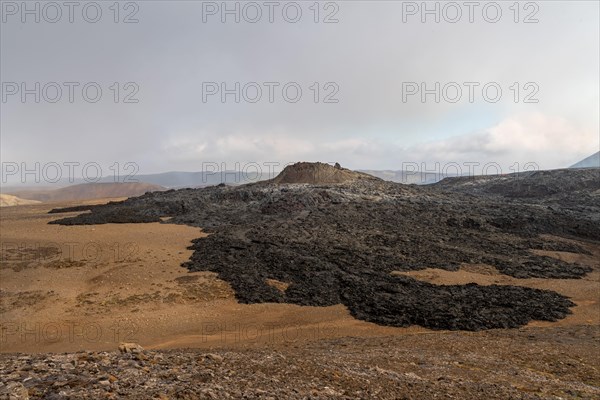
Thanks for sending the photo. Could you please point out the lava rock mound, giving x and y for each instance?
(317, 174)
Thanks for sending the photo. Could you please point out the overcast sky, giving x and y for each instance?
(366, 61)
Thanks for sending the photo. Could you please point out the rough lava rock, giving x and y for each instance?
(335, 236)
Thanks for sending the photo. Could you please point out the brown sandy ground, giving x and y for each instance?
(123, 282)
(66, 289)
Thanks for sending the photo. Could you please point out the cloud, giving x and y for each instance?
(548, 141)
(368, 54)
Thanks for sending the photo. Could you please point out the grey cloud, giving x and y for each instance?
(369, 53)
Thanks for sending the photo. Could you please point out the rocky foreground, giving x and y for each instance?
(319, 235)
(540, 363)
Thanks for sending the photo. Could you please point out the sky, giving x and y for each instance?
(368, 84)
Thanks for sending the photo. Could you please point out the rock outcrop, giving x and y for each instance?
(317, 174)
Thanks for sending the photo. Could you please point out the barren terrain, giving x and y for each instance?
(126, 283)
(83, 289)
(84, 191)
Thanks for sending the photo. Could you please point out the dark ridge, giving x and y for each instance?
(340, 242)
(71, 209)
(541, 185)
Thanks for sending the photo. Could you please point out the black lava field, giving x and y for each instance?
(339, 240)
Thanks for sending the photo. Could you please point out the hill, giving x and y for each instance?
(317, 174)
(87, 191)
(592, 161)
(407, 177)
(178, 179)
(7, 200)
(569, 184)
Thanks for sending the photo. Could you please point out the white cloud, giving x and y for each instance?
(548, 141)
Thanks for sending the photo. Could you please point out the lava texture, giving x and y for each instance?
(339, 242)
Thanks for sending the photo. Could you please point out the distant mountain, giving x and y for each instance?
(407, 177)
(168, 180)
(7, 200)
(177, 179)
(87, 191)
(181, 179)
(592, 161)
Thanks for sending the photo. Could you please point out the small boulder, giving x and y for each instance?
(14, 391)
(215, 358)
(132, 348)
